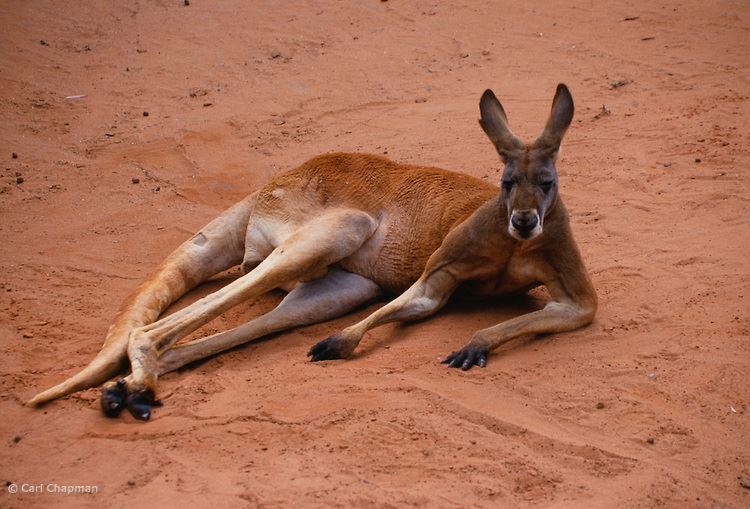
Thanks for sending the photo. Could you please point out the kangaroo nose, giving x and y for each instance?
(524, 221)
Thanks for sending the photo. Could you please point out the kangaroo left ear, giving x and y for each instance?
(559, 119)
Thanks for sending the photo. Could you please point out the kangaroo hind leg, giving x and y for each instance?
(304, 254)
(312, 302)
(216, 247)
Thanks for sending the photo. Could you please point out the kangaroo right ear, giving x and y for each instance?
(495, 125)
(559, 120)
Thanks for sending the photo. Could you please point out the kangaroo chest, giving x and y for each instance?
(519, 273)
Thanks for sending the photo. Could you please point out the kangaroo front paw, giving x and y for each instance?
(113, 398)
(333, 347)
(467, 357)
(140, 403)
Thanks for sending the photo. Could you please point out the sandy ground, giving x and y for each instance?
(649, 406)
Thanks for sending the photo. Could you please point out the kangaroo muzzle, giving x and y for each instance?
(525, 224)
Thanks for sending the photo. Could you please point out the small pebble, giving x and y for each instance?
(279, 121)
(16, 439)
(464, 55)
(28, 335)
(697, 159)
(187, 2)
(43, 42)
(420, 100)
(135, 180)
(131, 482)
(275, 54)
(145, 113)
(650, 440)
(19, 180)
(485, 52)
(603, 112)
(13, 155)
(619, 84)
(600, 405)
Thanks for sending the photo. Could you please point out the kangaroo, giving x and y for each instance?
(342, 230)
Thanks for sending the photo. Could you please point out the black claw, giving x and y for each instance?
(330, 348)
(448, 359)
(139, 404)
(467, 357)
(113, 399)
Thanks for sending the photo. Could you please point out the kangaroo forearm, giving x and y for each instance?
(422, 299)
(555, 317)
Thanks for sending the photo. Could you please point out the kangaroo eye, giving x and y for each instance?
(507, 185)
(546, 186)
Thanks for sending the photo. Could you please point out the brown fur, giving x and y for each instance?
(344, 228)
(416, 207)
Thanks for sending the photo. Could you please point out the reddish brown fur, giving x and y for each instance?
(399, 228)
(419, 206)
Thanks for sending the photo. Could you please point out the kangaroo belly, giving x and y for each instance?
(396, 254)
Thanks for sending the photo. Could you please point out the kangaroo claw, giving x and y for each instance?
(330, 348)
(467, 357)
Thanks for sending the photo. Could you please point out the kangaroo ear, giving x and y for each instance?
(558, 122)
(495, 125)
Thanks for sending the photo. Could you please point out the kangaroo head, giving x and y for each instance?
(529, 182)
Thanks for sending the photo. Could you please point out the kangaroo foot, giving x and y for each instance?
(140, 403)
(113, 398)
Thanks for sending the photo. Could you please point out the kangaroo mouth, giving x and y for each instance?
(524, 234)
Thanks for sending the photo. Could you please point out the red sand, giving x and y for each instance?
(656, 187)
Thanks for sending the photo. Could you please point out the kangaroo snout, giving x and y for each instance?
(524, 224)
